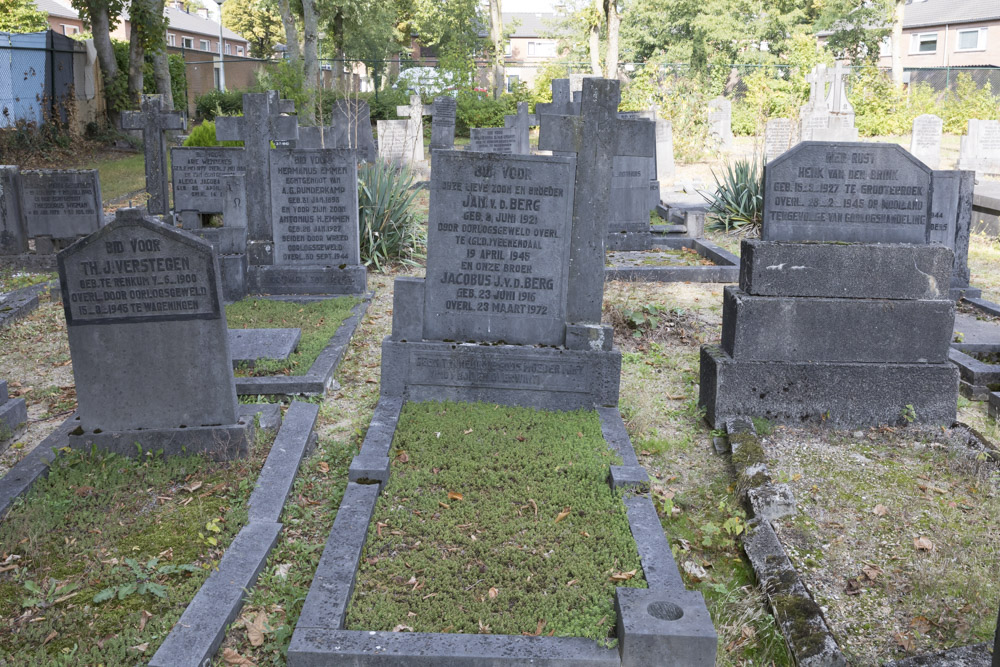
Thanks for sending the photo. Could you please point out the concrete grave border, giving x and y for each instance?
(649, 620)
(21, 302)
(725, 270)
(319, 377)
(976, 375)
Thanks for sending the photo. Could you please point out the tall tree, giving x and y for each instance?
(310, 58)
(148, 34)
(103, 16)
(897, 43)
(496, 42)
(594, 37)
(22, 16)
(291, 34)
(613, 20)
(258, 21)
(857, 28)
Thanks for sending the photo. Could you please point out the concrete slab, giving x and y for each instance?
(248, 346)
(642, 266)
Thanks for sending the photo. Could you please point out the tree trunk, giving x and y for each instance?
(100, 27)
(136, 59)
(613, 19)
(897, 43)
(338, 42)
(161, 74)
(309, 58)
(595, 50)
(496, 38)
(291, 34)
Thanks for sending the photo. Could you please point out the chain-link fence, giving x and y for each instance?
(37, 79)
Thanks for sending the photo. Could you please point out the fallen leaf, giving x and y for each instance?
(444, 505)
(571, 582)
(257, 629)
(143, 619)
(281, 572)
(562, 515)
(872, 571)
(521, 438)
(880, 510)
(323, 466)
(52, 635)
(402, 456)
(402, 628)
(231, 657)
(695, 571)
(192, 487)
(467, 432)
(921, 624)
(854, 587)
(623, 576)
(906, 641)
(493, 593)
(454, 496)
(923, 544)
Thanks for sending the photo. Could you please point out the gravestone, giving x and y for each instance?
(980, 147)
(415, 112)
(521, 123)
(843, 313)
(635, 192)
(562, 103)
(493, 140)
(664, 151)
(720, 122)
(393, 143)
(443, 123)
(950, 224)
(198, 178)
(265, 119)
(13, 229)
(925, 141)
(60, 205)
(314, 199)
(13, 416)
(576, 84)
(154, 121)
(778, 137)
(853, 192)
(352, 128)
(149, 342)
(827, 116)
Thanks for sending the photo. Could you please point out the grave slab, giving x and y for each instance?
(13, 416)
(895, 271)
(248, 346)
(61, 203)
(773, 328)
(13, 228)
(633, 266)
(847, 395)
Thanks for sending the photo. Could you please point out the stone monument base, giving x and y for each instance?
(13, 416)
(276, 279)
(837, 394)
(220, 443)
(629, 240)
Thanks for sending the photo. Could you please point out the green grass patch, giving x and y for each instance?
(121, 176)
(496, 520)
(100, 558)
(11, 279)
(319, 321)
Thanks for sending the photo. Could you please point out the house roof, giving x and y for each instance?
(532, 24)
(939, 12)
(181, 20)
(53, 8)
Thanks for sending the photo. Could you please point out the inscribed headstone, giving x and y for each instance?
(521, 122)
(198, 175)
(314, 196)
(778, 137)
(352, 128)
(498, 248)
(493, 139)
(664, 151)
(147, 333)
(61, 204)
(13, 230)
(925, 142)
(980, 147)
(393, 141)
(720, 122)
(443, 123)
(870, 193)
(415, 112)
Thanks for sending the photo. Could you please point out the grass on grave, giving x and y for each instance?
(99, 559)
(496, 520)
(319, 321)
(984, 258)
(121, 176)
(12, 279)
(657, 257)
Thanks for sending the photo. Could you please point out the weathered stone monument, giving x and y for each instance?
(827, 116)
(980, 147)
(844, 241)
(635, 192)
(393, 142)
(499, 318)
(779, 136)
(443, 123)
(60, 206)
(493, 140)
(950, 224)
(414, 112)
(154, 121)
(352, 128)
(13, 416)
(198, 176)
(521, 123)
(13, 229)
(720, 123)
(664, 151)
(925, 140)
(136, 295)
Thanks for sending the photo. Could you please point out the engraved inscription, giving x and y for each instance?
(505, 372)
(198, 176)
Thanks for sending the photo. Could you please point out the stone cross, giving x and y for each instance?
(415, 112)
(595, 136)
(153, 120)
(817, 84)
(562, 101)
(261, 123)
(521, 123)
(837, 100)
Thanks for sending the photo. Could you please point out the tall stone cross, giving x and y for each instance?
(596, 135)
(154, 120)
(816, 79)
(261, 123)
(415, 112)
(562, 101)
(837, 100)
(521, 123)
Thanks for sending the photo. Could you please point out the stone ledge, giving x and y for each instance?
(21, 302)
(372, 462)
(276, 477)
(725, 270)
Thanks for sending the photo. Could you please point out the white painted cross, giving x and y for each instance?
(154, 120)
(415, 112)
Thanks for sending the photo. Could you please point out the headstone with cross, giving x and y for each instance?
(521, 122)
(415, 112)
(594, 136)
(264, 120)
(153, 120)
(562, 104)
(352, 128)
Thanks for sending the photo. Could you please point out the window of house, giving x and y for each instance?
(229, 49)
(925, 42)
(187, 42)
(542, 49)
(239, 50)
(512, 82)
(508, 50)
(171, 39)
(971, 40)
(69, 29)
(203, 44)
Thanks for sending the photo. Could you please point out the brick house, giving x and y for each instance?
(62, 18)
(949, 33)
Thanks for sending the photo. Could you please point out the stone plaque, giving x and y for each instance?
(498, 248)
(198, 176)
(852, 192)
(147, 334)
(980, 147)
(443, 123)
(60, 203)
(314, 197)
(392, 141)
(664, 150)
(777, 137)
(720, 122)
(925, 141)
(503, 371)
(493, 140)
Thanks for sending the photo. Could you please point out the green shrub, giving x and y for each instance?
(286, 77)
(475, 109)
(969, 101)
(219, 103)
(116, 91)
(384, 108)
(204, 135)
(738, 200)
(390, 230)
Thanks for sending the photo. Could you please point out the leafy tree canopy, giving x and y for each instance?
(22, 16)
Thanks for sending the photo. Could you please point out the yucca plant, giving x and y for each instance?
(738, 201)
(390, 230)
